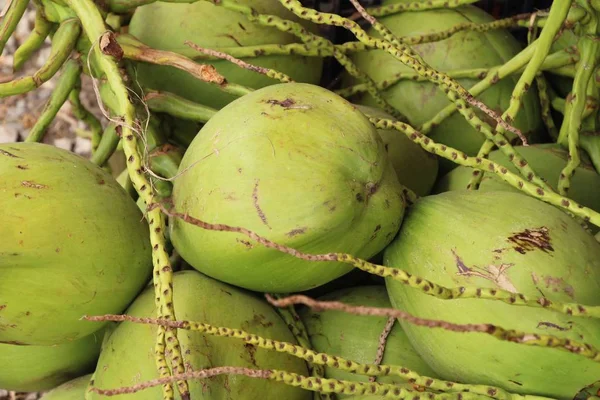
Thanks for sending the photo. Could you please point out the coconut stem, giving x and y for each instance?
(178, 106)
(529, 339)
(63, 43)
(103, 41)
(135, 50)
(427, 287)
(320, 358)
(296, 326)
(589, 49)
(83, 114)
(271, 73)
(34, 41)
(64, 86)
(307, 37)
(483, 164)
(10, 20)
(390, 9)
(558, 59)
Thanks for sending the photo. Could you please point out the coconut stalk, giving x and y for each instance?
(107, 50)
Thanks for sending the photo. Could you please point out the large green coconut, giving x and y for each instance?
(356, 337)
(73, 244)
(73, 390)
(547, 160)
(40, 368)
(166, 26)
(421, 101)
(416, 168)
(127, 356)
(298, 165)
(499, 240)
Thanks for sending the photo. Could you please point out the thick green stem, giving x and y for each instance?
(86, 116)
(34, 41)
(107, 145)
(65, 84)
(135, 50)
(417, 6)
(95, 29)
(178, 106)
(11, 20)
(63, 43)
(575, 108)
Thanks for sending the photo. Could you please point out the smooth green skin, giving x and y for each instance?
(476, 226)
(72, 390)
(547, 160)
(40, 368)
(73, 244)
(421, 101)
(298, 174)
(356, 337)
(166, 26)
(416, 168)
(127, 355)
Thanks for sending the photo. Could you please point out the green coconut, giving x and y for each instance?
(294, 163)
(72, 390)
(547, 160)
(499, 240)
(40, 368)
(416, 168)
(166, 26)
(73, 244)
(356, 337)
(127, 355)
(421, 101)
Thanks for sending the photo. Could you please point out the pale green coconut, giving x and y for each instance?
(298, 165)
(421, 101)
(356, 337)
(72, 390)
(40, 368)
(127, 355)
(416, 168)
(499, 240)
(166, 26)
(73, 244)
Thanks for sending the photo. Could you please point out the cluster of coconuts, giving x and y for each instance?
(301, 166)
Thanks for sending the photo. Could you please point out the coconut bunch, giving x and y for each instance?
(371, 201)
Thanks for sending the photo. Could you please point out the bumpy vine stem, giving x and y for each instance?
(34, 41)
(530, 339)
(322, 385)
(558, 59)
(296, 326)
(11, 19)
(416, 282)
(65, 84)
(404, 54)
(63, 43)
(307, 37)
(483, 164)
(328, 360)
(95, 30)
(558, 14)
(589, 49)
(395, 8)
(271, 73)
(178, 106)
